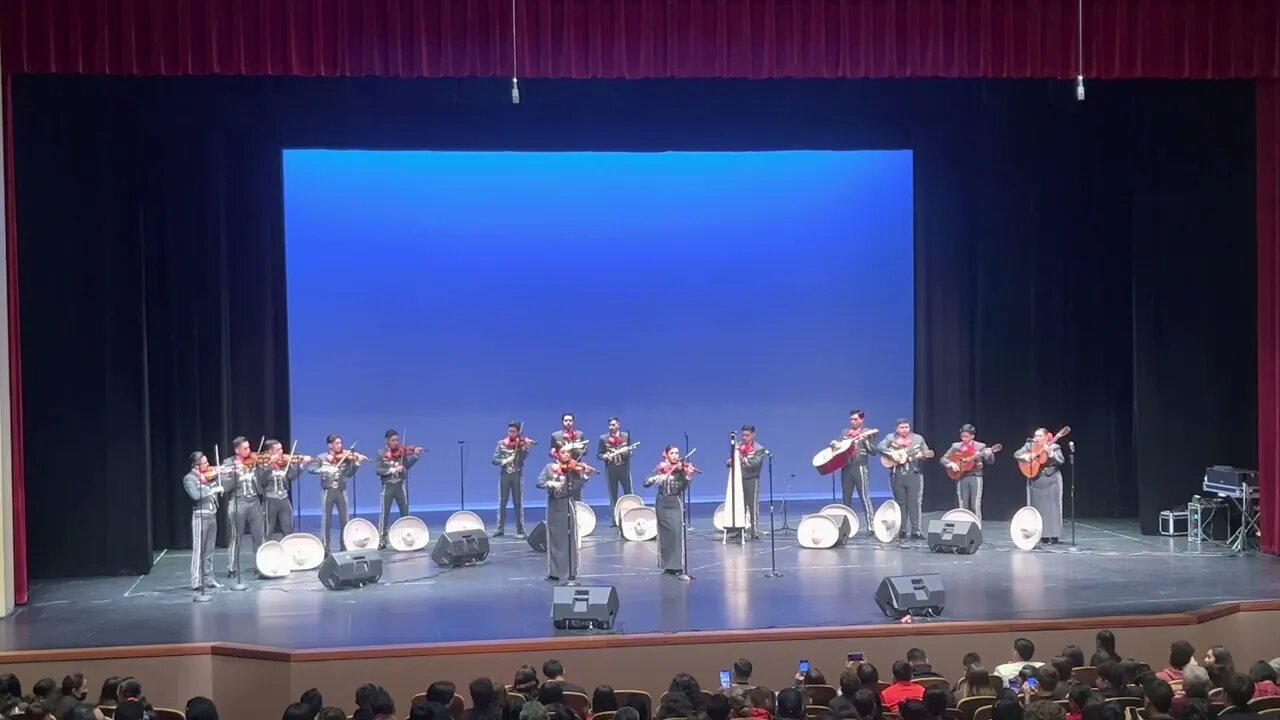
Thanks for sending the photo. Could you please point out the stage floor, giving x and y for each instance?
(1114, 571)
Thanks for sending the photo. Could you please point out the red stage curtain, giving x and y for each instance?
(644, 38)
(1268, 134)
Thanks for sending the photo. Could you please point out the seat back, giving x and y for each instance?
(1085, 675)
(928, 682)
(968, 707)
(579, 703)
(819, 694)
(1259, 704)
(167, 714)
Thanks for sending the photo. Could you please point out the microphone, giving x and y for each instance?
(768, 452)
(462, 442)
(1071, 446)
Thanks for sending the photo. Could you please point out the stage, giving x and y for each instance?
(1113, 571)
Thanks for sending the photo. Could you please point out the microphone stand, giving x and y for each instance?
(462, 473)
(237, 538)
(687, 518)
(573, 536)
(1071, 466)
(201, 597)
(786, 499)
(773, 545)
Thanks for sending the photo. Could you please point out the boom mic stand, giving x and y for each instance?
(786, 499)
(773, 545)
(462, 474)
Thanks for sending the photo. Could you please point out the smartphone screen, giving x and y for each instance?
(1031, 683)
(726, 679)
(857, 657)
(804, 666)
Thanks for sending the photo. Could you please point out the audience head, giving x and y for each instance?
(1079, 696)
(526, 681)
(1007, 709)
(791, 703)
(814, 676)
(1219, 656)
(482, 693)
(1196, 709)
(1061, 666)
(867, 703)
(1196, 682)
(110, 690)
(970, 660)
(75, 685)
(553, 669)
(1106, 643)
(364, 695)
(331, 713)
(936, 700)
(1023, 650)
(868, 674)
(675, 705)
(1159, 696)
(133, 710)
(762, 698)
(913, 710)
(603, 699)
(1262, 671)
(916, 656)
(313, 698)
(129, 689)
(436, 711)
(380, 703)
(201, 708)
(298, 711)
(1239, 688)
(977, 682)
(1047, 678)
(1045, 710)
(1132, 671)
(1075, 654)
(717, 707)
(83, 711)
(625, 712)
(441, 691)
(1112, 674)
(550, 694)
(849, 683)
(687, 684)
(902, 671)
(44, 687)
(640, 705)
(741, 670)
(1181, 654)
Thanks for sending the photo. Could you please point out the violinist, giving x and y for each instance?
(394, 462)
(202, 486)
(570, 437)
(969, 486)
(561, 478)
(509, 457)
(1044, 491)
(854, 476)
(672, 477)
(278, 473)
(905, 478)
(245, 507)
(334, 467)
(613, 449)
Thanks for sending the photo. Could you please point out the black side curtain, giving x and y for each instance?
(153, 308)
(1076, 263)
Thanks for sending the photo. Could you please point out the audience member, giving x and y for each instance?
(554, 670)
(331, 713)
(1048, 686)
(483, 698)
(626, 712)
(1217, 660)
(902, 688)
(642, 706)
(1264, 679)
(364, 702)
(299, 711)
(201, 708)
(1197, 710)
(936, 699)
(1062, 666)
(604, 699)
(913, 710)
(1044, 710)
(441, 691)
(866, 702)
(869, 676)
(1181, 654)
(110, 691)
(526, 683)
(763, 703)
(1238, 690)
(83, 711)
(551, 693)
(1023, 653)
(1112, 682)
(1079, 697)
(920, 666)
(849, 683)
(976, 683)
(1075, 654)
(688, 685)
(383, 707)
(75, 690)
(790, 704)
(1159, 700)
(130, 710)
(1007, 709)
(717, 707)
(742, 672)
(1105, 648)
(313, 698)
(437, 711)
(1195, 686)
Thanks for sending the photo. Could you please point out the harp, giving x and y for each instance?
(735, 501)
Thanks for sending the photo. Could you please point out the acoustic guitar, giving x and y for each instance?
(839, 453)
(965, 461)
(895, 456)
(1039, 455)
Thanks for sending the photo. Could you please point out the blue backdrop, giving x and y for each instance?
(446, 293)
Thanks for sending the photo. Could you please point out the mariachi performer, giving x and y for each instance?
(1044, 490)
(672, 477)
(854, 476)
(245, 505)
(560, 478)
(902, 452)
(964, 462)
(752, 456)
(277, 475)
(392, 470)
(509, 457)
(614, 449)
(334, 468)
(202, 486)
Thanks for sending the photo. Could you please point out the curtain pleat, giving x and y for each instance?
(1267, 99)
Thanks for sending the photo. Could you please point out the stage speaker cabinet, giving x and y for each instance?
(455, 549)
(962, 537)
(538, 537)
(344, 570)
(586, 607)
(901, 595)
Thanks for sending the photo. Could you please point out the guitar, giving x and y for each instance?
(837, 455)
(1039, 455)
(965, 462)
(897, 456)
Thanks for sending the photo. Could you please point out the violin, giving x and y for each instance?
(571, 465)
(286, 459)
(682, 466)
(403, 450)
(346, 455)
(1038, 456)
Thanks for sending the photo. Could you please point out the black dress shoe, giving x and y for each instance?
(500, 533)
(916, 536)
(553, 578)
